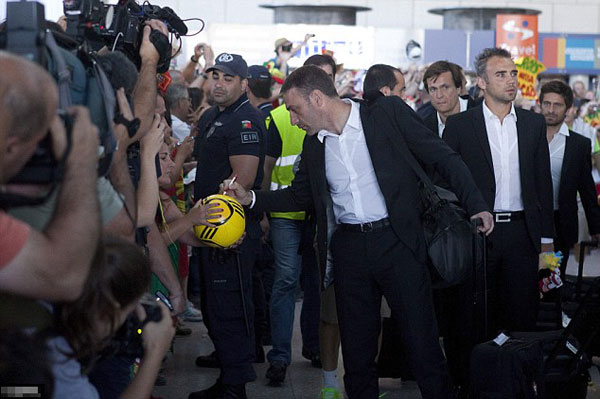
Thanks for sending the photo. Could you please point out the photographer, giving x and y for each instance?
(54, 263)
(201, 50)
(119, 276)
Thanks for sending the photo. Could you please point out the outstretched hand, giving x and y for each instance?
(236, 191)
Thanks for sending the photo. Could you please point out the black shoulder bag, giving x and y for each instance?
(447, 228)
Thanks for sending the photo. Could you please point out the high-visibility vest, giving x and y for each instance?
(292, 138)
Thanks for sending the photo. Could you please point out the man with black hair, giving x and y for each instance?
(384, 79)
(259, 88)
(368, 213)
(230, 143)
(571, 170)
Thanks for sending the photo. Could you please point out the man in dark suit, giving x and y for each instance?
(571, 169)
(367, 204)
(384, 79)
(507, 152)
(443, 81)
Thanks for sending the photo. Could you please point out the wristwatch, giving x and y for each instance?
(194, 60)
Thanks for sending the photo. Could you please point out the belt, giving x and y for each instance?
(505, 217)
(366, 227)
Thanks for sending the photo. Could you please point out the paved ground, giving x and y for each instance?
(303, 381)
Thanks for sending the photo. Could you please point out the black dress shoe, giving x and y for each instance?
(234, 391)
(216, 391)
(314, 357)
(210, 361)
(276, 374)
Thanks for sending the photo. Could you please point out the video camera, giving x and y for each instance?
(80, 81)
(120, 26)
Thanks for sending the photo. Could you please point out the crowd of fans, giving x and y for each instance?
(79, 273)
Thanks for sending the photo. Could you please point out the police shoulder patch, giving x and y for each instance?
(249, 137)
(246, 124)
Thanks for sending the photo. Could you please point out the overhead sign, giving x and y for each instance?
(518, 34)
(528, 68)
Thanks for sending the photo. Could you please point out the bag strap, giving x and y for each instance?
(400, 145)
(64, 75)
(595, 286)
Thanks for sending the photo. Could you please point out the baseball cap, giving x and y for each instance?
(258, 72)
(231, 64)
(280, 42)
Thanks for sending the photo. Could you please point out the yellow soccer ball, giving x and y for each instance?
(230, 224)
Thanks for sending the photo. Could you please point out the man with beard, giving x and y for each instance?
(571, 169)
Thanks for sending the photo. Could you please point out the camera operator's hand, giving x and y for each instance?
(156, 339)
(121, 132)
(147, 50)
(58, 135)
(84, 147)
(151, 142)
(200, 214)
(157, 336)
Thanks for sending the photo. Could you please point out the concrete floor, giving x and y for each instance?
(302, 381)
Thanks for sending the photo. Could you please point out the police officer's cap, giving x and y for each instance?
(231, 64)
(258, 72)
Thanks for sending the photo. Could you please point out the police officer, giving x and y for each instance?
(230, 144)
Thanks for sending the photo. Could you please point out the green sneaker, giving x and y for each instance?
(330, 393)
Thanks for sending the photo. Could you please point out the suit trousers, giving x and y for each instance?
(512, 278)
(561, 245)
(367, 266)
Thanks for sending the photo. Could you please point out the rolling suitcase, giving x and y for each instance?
(545, 365)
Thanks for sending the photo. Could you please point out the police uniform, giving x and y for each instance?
(227, 305)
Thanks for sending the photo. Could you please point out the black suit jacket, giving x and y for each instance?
(466, 134)
(576, 176)
(431, 121)
(397, 181)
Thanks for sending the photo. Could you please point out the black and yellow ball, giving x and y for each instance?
(230, 224)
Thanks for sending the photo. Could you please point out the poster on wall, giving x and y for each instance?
(518, 34)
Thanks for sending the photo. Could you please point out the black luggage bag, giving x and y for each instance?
(545, 365)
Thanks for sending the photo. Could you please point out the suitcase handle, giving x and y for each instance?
(475, 223)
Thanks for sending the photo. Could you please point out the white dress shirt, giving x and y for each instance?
(504, 145)
(180, 128)
(353, 185)
(441, 125)
(557, 154)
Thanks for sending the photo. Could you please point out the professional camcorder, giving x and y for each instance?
(120, 26)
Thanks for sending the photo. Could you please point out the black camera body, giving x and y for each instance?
(128, 339)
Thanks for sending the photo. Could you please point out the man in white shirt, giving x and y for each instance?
(177, 99)
(507, 153)
(571, 169)
(350, 172)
